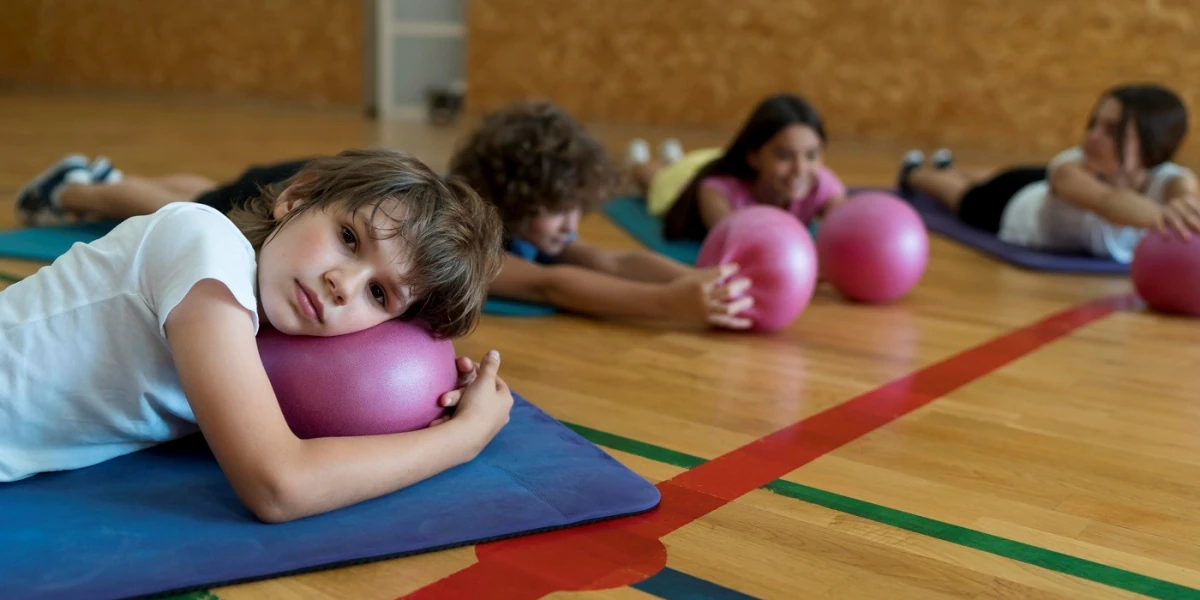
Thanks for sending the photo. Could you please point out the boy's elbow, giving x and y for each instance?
(273, 512)
(272, 496)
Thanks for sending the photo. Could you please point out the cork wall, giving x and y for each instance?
(297, 52)
(998, 74)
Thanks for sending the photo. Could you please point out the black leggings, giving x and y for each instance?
(248, 185)
(983, 204)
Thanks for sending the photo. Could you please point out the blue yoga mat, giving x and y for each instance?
(48, 243)
(940, 220)
(165, 520)
(629, 213)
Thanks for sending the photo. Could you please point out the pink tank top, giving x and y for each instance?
(805, 208)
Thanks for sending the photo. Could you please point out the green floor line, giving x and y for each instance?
(977, 540)
(642, 449)
(9, 278)
(201, 595)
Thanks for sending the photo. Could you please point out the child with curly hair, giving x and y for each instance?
(543, 172)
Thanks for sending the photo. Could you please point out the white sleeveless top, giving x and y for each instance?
(1037, 219)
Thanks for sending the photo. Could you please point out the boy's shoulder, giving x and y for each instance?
(188, 221)
(188, 211)
(182, 237)
(184, 243)
(169, 231)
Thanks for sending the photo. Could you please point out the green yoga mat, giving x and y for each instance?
(629, 213)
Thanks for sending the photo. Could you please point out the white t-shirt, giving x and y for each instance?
(1035, 218)
(85, 371)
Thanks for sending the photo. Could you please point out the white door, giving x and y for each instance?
(420, 46)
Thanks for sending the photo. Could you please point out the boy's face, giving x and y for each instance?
(323, 274)
(552, 231)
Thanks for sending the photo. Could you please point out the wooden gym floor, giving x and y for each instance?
(997, 434)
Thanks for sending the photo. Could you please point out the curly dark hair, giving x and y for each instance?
(532, 155)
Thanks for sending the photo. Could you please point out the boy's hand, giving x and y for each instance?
(485, 401)
(712, 296)
(467, 369)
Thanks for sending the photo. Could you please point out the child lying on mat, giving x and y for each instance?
(1097, 198)
(543, 171)
(775, 159)
(531, 160)
(148, 334)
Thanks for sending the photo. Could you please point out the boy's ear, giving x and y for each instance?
(289, 199)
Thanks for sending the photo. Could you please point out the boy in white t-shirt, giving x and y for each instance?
(1098, 198)
(148, 334)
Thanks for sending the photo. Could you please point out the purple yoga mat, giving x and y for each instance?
(940, 220)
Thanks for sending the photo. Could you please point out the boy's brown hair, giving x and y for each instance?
(532, 156)
(455, 238)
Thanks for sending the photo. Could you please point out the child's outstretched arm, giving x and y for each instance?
(707, 297)
(1182, 210)
(1121, 206)
(636, 265)
(278, 476)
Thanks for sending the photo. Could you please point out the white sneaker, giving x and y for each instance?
(638, 152)
(943, 158)
(103, 172)
(670, 151)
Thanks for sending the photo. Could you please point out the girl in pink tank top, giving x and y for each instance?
(775, 159)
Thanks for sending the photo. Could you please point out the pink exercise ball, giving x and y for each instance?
(1166, 273)
(386, 379)
(873, 247)
(774, 251)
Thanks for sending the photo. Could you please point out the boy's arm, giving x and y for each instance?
(703, 298)
(278, 476)
(638, 265)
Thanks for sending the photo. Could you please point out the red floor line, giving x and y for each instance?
(625, 551)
